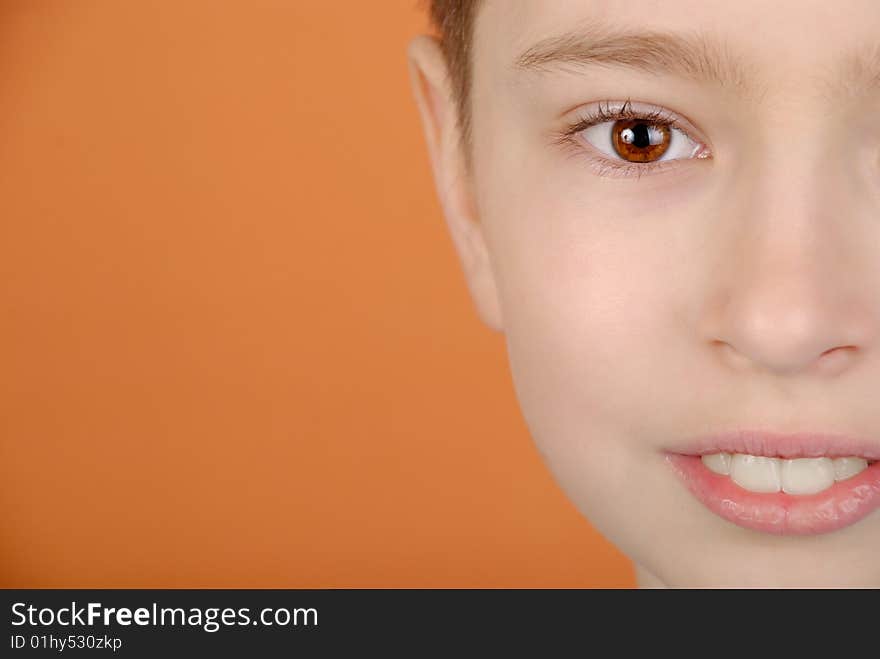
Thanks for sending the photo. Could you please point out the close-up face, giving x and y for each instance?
(672, 213)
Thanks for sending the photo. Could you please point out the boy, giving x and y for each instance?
(672, 212)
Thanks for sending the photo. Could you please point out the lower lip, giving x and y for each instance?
(842, 504)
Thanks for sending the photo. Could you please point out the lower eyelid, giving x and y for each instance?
(613, 169)
(606, 167)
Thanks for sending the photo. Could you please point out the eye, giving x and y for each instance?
(632, 139)
(640, 140)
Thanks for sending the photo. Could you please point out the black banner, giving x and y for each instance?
(192, 623)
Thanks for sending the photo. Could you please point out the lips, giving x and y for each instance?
(840, 503)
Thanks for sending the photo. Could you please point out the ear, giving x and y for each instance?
(439, 113)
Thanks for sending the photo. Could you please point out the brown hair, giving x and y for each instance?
(455, 21)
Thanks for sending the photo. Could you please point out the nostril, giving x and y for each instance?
(835, 359)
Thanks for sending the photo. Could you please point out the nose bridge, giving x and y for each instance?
(792, 208)
(800, 280)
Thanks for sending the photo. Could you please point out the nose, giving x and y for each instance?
(800, 289)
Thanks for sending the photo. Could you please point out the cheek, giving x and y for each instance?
(591, 282)
(585, 317)
(585, 339)
(593, 297)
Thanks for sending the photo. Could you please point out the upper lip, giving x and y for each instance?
(774, 444)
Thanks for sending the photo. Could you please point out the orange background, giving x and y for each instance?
(236, 349)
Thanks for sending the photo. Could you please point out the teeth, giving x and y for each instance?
(718, 462)
(848, 467)
(797, 476)
(807, 475)
(756, 473)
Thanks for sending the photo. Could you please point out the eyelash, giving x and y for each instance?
(568, 137)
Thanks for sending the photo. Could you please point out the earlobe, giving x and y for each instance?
(437, 108)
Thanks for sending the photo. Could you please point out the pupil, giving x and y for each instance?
(641, 136)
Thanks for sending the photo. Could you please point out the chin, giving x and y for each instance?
(764, 565)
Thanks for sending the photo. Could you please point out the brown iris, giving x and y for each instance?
(638, 141)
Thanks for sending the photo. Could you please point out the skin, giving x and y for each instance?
(740, 290)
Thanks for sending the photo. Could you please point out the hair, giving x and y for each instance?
(455, 19)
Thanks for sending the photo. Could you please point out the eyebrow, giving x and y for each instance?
(693, 56)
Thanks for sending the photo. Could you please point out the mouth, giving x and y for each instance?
(784, 484)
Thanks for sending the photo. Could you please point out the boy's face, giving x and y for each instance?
(656, 283)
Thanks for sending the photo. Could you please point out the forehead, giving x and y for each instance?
(750, 46)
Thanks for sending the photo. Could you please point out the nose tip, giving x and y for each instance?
(784, 333)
